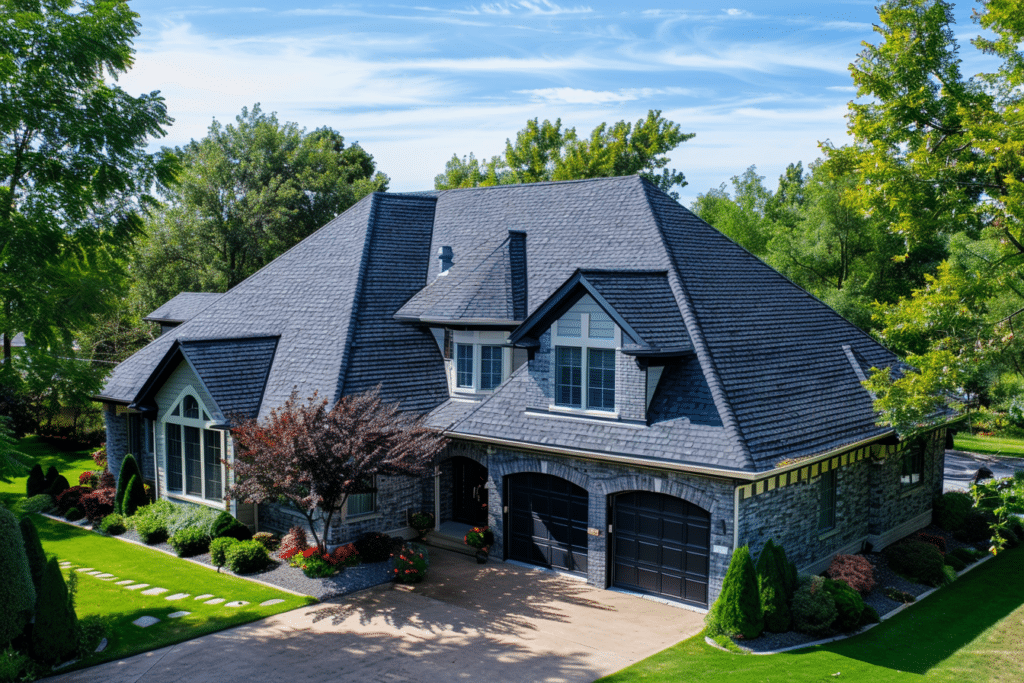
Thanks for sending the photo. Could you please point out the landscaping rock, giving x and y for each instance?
(125, 582)
(105, 576)
(84, 569)
(143, 622)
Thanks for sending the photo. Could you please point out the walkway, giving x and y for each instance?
(495, 622)
(961, 467)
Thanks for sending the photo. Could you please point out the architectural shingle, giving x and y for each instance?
(182, 307)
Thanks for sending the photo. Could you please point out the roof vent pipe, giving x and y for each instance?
(445, 254)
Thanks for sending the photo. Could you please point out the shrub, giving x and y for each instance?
(129, 469)
(938, 541)
(849, 605)
(218, 550)
(226, 526)
(898, 595)
(107, 480)
(55, 634)
(869, 616)
(410, 563)
(99, 456)
(919, 561)
(771, 582)
(814, 609)
(422, 522)
(190, 541)
(134, 497)
(57, 486)
(975, 528)
(70, 498)
(17, 593)
(1011, 539)
(955, 562)
(267, 539)
(97, 504)
(190, 517)
(738, 608)
(950, 574)
(293, 542)
(314, 564)
(151, 529)
(73, 515)
(951, 509)
(36, 482)
(51, 475)
(345, 556)
(967, 555)
(479, 537)
(374, 547)
(13, 665)
(33, 552)
(35, 504)
(855, 570)
(88, 478)
(113, 524)
(246, 557)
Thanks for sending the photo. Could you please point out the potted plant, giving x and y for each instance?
(481, 538)
(422, 522)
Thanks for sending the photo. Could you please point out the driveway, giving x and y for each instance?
(961, 467)
(494, 623)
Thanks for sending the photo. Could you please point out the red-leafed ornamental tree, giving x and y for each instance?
(314, 457)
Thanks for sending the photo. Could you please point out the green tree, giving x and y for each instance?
(74, 170)
(55, 633)
(13, 463)
(17, 594)
(247, 192)
(738, 608)
(33, 552)
(129, 470)
(545, 151)
(771, 577)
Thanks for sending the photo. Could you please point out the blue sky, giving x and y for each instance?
(414, 83)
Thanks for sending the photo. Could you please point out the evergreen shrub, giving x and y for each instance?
(955, 562)
(129, 469)
(55, 634)
(73, 515)
(35, 504)
(113, 524)
(975, 527)
(218, 550)
(772, 585)
(814, 609)
(919, 561)
(849, 605)
(246, 557)
(738, 608)
(17, 592)
(950, 510)
(33, 551)
(938, 541)
(51, 476)
(226, 526)
(967, 555)
(36, 482)
(190, 541)
(59, 485)
(135, 497)
(869, 616)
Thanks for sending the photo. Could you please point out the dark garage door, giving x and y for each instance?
(661, 546)
(547, 522)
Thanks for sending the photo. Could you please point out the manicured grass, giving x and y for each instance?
(992, 445)
(120, 607)
(968, 631)
(69, 463)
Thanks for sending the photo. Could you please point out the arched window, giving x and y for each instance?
(193, 452)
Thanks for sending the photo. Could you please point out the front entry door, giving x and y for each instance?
(469, 487)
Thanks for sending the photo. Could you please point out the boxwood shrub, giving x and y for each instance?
(849, 606)
(226, 526)
(35, 504)
(955, 562)
(218, 550)
(246, 557)
(375, 547)
(918, 561)
(951, 509)
(113, 524)
(190, 541)
(73, 515)
(814, 609)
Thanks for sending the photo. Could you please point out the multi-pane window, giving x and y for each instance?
(912, 466)
(364, 501)
(491, 362)
(827, 495)
(585, 340)
(193, 453)
(601, 379)
(464, 366)
(569, 376)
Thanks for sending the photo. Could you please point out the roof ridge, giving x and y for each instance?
(707, 364)
(541, 183)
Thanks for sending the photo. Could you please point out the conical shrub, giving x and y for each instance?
(129, 469)
(772, 583)
(33, 551)
(17, 593)
(51, 476)
(36, 483)
(55, 633)
(739, 604)
(134, 497)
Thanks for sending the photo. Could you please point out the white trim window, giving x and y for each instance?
(482, 360)
(193, 453)
(584, 341)
(364, 502)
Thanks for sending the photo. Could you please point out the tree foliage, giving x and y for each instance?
(546, 151)
(55, 634)
(313, 457)
(17, 594)
(13, 463)
(75, 176)
(246, 193)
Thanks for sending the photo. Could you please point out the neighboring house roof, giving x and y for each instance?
(17, 341)
(183, 307)
(762, 371)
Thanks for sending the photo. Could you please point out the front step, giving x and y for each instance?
(448, 543)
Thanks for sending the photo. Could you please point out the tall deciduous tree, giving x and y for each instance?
(314, 457)
(247, 192)
(546, 151)
(74, 170)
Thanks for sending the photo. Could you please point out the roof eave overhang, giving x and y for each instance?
(499, 323)
(164, 321)
(649, 352)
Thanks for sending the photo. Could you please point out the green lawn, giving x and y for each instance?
(969, 631)
(120, 607)
(68, 463)
(992, 445)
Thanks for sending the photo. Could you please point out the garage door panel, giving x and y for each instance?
(548, 521)
(661, 546)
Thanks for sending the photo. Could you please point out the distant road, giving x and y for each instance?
(961, 466)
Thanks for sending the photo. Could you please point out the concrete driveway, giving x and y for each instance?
(961, 466)
(494, 623)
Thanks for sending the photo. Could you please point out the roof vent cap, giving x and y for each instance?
(445, 255)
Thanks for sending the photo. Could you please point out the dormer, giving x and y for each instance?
(181, 309)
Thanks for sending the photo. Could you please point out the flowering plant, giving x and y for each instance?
(422, 522)
(479, 537)
(344, 556)
(99, 456)
(88, 478)
(410, 564)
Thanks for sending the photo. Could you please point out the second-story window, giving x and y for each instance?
(480, 366)
(584, 340)
(464, 366)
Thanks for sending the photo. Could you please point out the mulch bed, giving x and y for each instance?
(884, 578)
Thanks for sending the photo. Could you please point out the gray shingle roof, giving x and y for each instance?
(234, 371)
(17, 341)
(183, 307)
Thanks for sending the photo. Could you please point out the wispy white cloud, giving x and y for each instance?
(842, 88)
(582, 96)
(737, 12)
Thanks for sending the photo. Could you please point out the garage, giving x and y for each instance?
(547, 522)
(661, 546)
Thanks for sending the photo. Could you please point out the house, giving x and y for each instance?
(630, 396)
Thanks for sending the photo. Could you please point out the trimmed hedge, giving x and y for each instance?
(36, 504)
(73, 515)
(950, 510)
(59, 485)
(55, 634)
(814, 609)
(919, 561)
(17, 592)
(129, 469)
(113, 524)
(134, 497)
(218, 550)
(246, 557)
(772, 585)
(34, 552)
(190, 541)
(227, 526)
(51, 476)
(36, 482)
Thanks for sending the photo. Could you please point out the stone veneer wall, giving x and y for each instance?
(117, 437)
(602, 480)
(893, 504)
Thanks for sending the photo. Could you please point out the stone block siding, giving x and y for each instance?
(117, 437)
(602, 480)
(395, 497)
(891, 502)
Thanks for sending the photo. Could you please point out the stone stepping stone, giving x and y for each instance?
(215, 601)
(105, 576)
(154, 591)
(84, 569)
(268, 603)
(237, 603)
(143, 622)
(125, 582)
(102, 646)
(204, 596)
(94, 572)
(178, 615)
(177, 596)
(137, 586)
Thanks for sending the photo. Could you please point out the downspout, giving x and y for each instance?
(437, 497)
(156, 468)
(736, 518)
